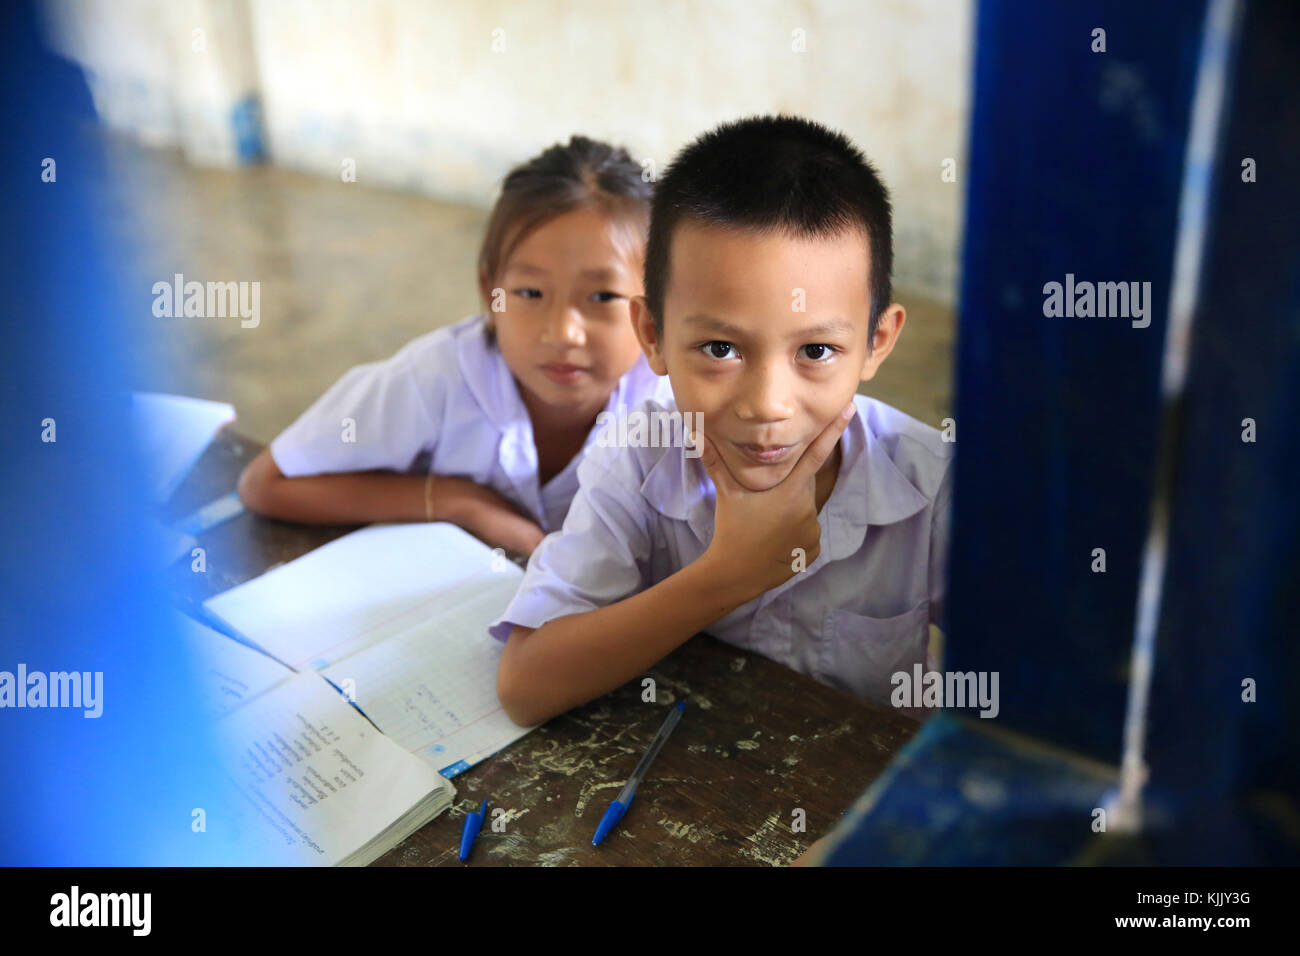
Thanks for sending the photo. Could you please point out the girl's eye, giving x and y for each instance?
(712, 349)
(818, 352)
(529, 293)
(605, 296)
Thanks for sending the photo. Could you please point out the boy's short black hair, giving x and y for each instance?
(779, 173)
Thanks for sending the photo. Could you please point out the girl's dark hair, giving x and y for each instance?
(562, 178)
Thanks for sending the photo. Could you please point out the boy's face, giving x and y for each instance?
(765, 335)
(565, 332)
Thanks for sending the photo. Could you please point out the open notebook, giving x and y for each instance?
(395, 616)
(310, 781)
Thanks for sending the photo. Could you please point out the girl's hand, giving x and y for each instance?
(484, 513)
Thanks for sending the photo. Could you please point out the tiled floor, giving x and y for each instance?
(348, 274)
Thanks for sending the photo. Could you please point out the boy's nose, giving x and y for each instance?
(765, 395)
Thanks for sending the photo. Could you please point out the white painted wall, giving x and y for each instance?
(443, 96)
(169, 71)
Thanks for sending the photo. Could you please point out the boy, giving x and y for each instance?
(809, 524)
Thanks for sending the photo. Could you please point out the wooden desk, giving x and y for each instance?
(756, 742)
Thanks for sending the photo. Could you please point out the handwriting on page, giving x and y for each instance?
(432, 686)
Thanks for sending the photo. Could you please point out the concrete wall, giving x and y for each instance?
(176, 73)
(443, 97)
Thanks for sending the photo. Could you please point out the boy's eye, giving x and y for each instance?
(717, 350)
(819, 352)
(605, 296)
(528, 293)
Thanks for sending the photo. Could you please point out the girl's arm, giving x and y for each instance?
(365, 496)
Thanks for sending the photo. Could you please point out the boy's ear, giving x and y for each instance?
(643, 323)
(887, 331)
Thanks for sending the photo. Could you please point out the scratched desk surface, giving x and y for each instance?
(757, 742)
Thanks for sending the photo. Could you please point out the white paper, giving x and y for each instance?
(173, 432)
(316, 781)
(226, 673)
(432, 687)
(401, 612)
(357, 590)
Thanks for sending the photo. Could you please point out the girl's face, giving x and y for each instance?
(566, 332)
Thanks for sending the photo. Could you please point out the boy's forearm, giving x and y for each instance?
(579, 657)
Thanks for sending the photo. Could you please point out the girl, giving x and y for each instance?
(483, 423)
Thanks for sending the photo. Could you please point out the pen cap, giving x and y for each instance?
(612, 815)
(473, 822)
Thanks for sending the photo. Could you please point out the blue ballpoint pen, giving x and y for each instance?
(473, 821)
(619, 806)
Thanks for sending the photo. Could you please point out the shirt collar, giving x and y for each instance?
(639, 383)
(488, 378)
(679, 487)
(870, 489)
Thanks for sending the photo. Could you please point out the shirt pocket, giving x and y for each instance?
(861, 654)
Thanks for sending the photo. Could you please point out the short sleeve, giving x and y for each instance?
(940, 533)
(598, 558)
(379, 415)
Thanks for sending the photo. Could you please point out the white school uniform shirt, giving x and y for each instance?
(859, 613)
(445, 403)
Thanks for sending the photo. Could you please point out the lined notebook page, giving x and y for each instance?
(356, 591)
(432, 686)
(396, 617)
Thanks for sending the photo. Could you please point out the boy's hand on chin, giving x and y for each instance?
(755, 533)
